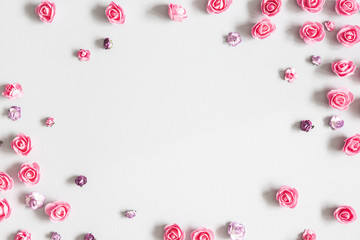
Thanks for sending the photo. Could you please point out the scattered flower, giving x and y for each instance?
(108, 44)
(340, 98)
(6, 182)
(263, 29)
(81, 180)
(115, 14)
(83, 55)
(352, 145)
(347, 7)
(5, 210)
(233, 39)
(313, 6)
(336, 122)
(173, 232)
(46, 11)
(29, 173)
(343, 68)
(49, 122)
(330, 26)
(306, 125)
(290, 75)
(130, 214)
(309, 235)
(287, 197)
(21, 144)
(236, 231)
(312, 32)
(202, 234)
(345, 214)
(217, 6)
(271, 7)
(177, 12)
(12, 91)
(23, 235)
(1, 142)
(34, 200)
(55, 236)
(89, 236)
(14, 113)
(58, 211)
(316, 60)
(349, 35)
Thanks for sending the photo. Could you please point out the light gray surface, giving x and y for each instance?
(175, 123)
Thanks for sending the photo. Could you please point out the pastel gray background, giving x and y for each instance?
(175, 123)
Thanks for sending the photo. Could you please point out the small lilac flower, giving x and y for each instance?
(55, 236)
(233, 39)
(336, 122)
(316, 60)
(89, 236)
(108, 43)
(34, 200)
(306, 125)
(49, 122)
(81, 180)
(130, 214)
(236, 231)
(14, 113)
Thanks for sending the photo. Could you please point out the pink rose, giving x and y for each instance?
(21, 144)
(6, 182)
(347, 7)
(29, 173)
(270, 7)
(12, 91)
(309, 235)
(46, 11)
(23, 235)
(58, 211)
(312, 6)
(349, 35)
(352, 145)
(343, 68)
(115, 13)
(340, 99)
(330, 26)
(312, 32)
(218, 6)
(5, 210)
(202, 234)
(290, 75)
(287, 197)
(83, 55)
(263, 29)
(177, 12)
(173, 232)
(345, 214)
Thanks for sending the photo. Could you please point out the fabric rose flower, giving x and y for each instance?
(347, 7)
(29, 173)
(55, 236)
(202, 234)
(336, 122)
(312, 6)
(115, 13)
(83, 55)
(330, 26)
(34, 200)
(6, 182)
(49, 122)
(309, 235)
(345, 214)
(173, 232)
(21, 144)
(217, 6)
(14, 113)
(306, 125)
(177, 12)
(58, 211)
(263, 29)
(343, 68)
(290, 75)
(352, 145)
(349, 35)
(46, 11)
(5, 210)
(271, 7)
(23, 235)
(312, 32)
(12, 91)
(340, 98)
(287, 197)
(236, 231)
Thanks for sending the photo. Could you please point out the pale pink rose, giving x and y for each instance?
(202, 234)
(343, 68)
(6, 182)
(312, 6)
(12, 91)
(218, 6)
(345, 214)
(177, 12)
(312, 32)
(290, 75)
(58, 211)
(263, 29)
(173, 232)
(347, 7)
(352, 145)
(23, 235)
(29, 173)
(46, 11)
(271, 7)
(5, 210)
(309, 235)
(330, 26)
(340, 98)
(349, 35)
(83, 55)
(21, 144)
(115, 13)
(287, 197)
